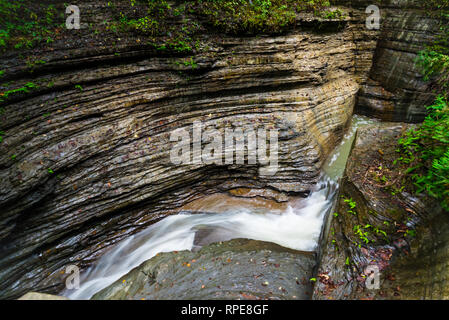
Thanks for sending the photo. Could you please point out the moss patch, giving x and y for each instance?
(24, 24)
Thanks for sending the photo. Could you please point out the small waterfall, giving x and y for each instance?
(298, 227)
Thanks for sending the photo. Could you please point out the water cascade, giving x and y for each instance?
(298, 227)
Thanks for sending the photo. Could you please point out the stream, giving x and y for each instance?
(298, 227)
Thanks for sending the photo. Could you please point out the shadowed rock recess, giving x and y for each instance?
(395, 90)
(84, 161)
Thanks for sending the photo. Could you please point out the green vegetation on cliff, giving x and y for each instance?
(269, 16)
(426, 149)
(178, 23)
(24, 24)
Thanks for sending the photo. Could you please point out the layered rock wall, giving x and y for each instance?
(85, 157)
(396, 90)
(85, 161)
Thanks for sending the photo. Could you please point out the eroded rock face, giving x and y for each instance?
(237, 269)
(395, 90)
(423, 273)
(84, 166)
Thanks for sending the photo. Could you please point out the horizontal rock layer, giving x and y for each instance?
(396, 90)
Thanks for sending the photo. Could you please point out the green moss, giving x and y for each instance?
(25, 89)
(26, 24)
(189, 62)
(31, 64)
(351, 204)
(331, 14)
(257, 16)
(178, 26)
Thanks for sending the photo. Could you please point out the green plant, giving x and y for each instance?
(434, 64)
(25, 25)
(24, 89)
(188, 63)
(31, 64)
(434, 59)
(331, 14)
(426, 151)
(352, 204)
(256, 16)
(362, 234)
(144, 25)
(442, 6)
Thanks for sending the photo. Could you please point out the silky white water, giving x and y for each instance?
(296, 228)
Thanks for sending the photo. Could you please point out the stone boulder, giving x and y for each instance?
(237, 269)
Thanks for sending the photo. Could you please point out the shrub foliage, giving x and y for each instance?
(426, 148)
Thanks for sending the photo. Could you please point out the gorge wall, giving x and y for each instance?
(395, 90)
(85, 156)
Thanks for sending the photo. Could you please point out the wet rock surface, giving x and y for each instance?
(85, 156)
(84, 161)
(389, 229)
(237, 269)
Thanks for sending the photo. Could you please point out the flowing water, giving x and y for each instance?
(298, 227)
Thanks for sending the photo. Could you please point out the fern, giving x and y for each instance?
(428, 147)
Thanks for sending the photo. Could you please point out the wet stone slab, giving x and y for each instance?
(236, 269)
